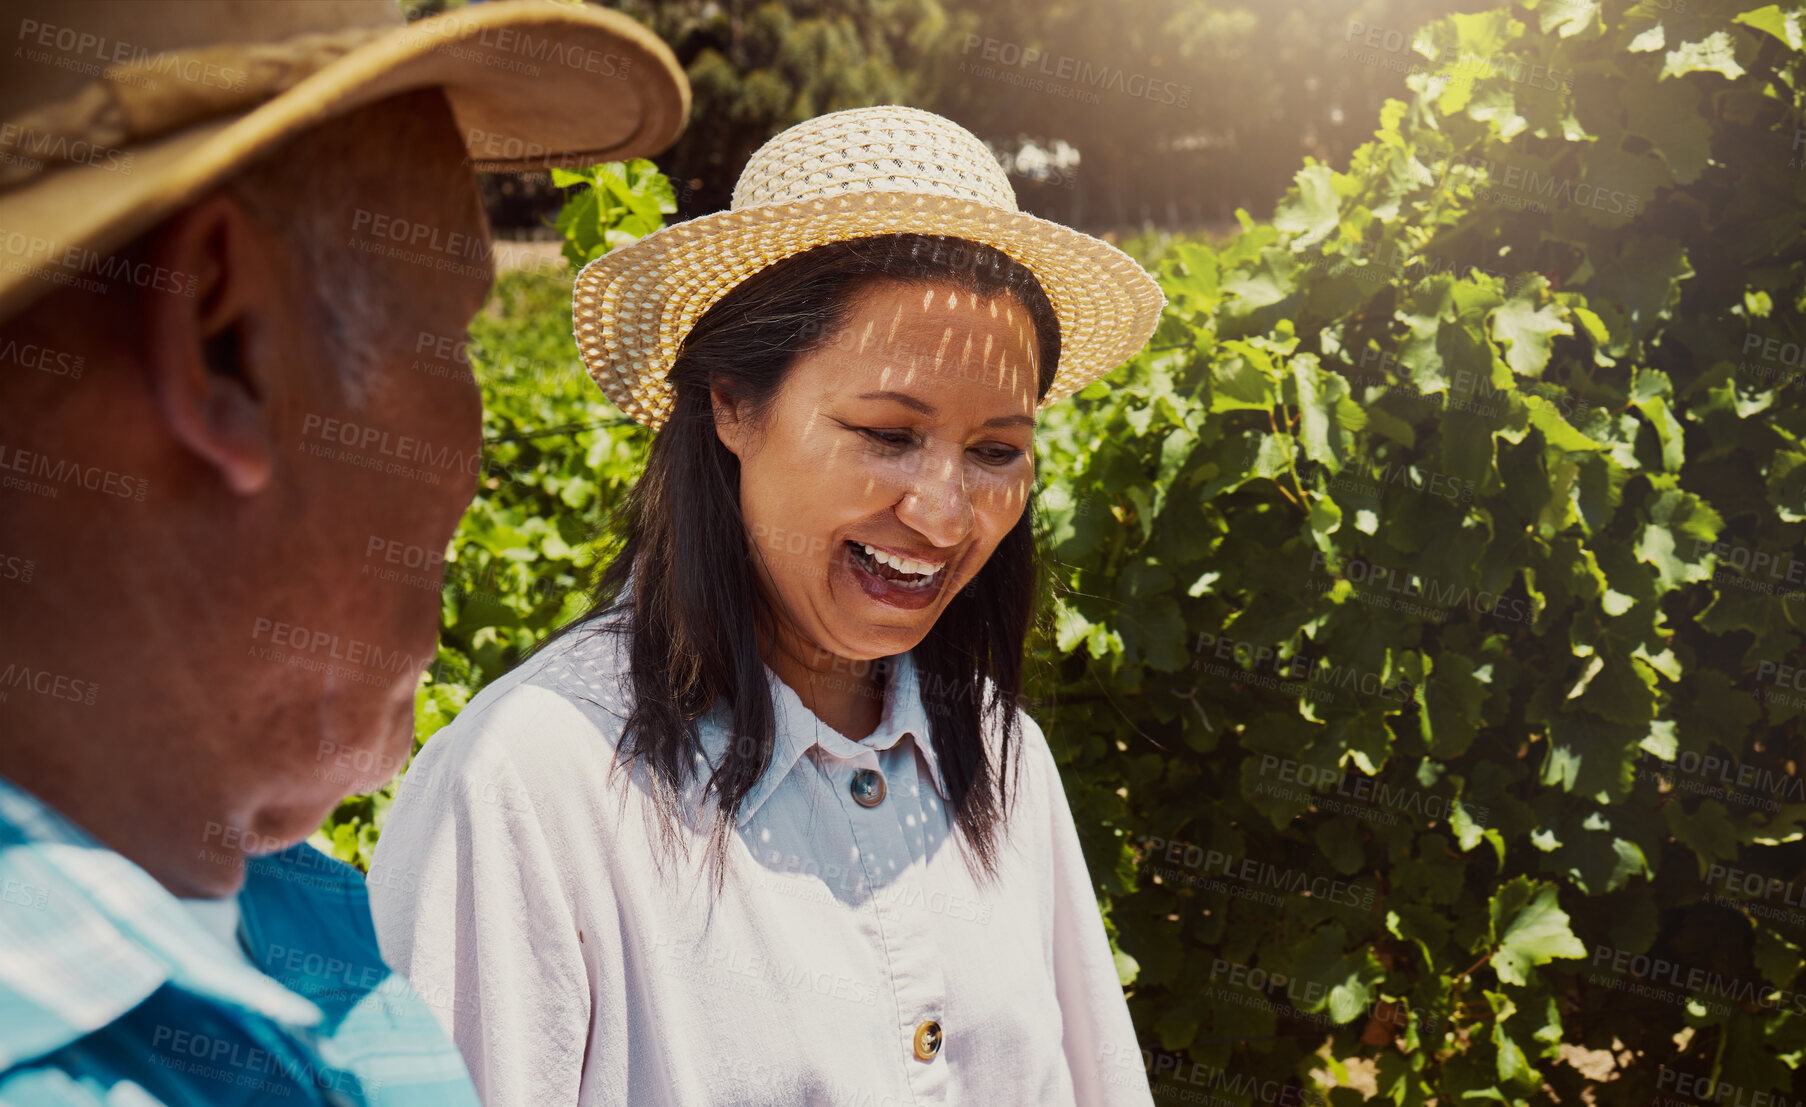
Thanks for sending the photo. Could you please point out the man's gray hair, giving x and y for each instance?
(311, 189)
(342, 281)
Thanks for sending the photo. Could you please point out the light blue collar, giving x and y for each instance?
(797, 730)
(88, 935)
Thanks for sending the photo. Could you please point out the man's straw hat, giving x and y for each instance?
(115, 113)
(850, 174)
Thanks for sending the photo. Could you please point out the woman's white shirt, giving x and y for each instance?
(515, 885)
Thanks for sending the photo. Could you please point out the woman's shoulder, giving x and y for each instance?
(1028, 732)
(561, 707)
(1030, 760)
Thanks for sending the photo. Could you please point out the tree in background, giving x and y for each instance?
(1181, 110)
(757, 68)
(1174, 112)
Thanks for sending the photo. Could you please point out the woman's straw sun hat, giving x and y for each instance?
(844, 175)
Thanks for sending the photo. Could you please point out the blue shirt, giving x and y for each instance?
(110, 993)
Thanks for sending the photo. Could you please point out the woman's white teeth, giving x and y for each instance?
(901, 564)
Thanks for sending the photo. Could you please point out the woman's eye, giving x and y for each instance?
(994, 455)
(889, 438)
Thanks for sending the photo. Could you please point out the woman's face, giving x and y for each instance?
(909, 432)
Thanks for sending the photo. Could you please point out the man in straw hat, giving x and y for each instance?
(239, 244)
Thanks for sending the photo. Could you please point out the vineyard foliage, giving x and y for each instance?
(1425, 654)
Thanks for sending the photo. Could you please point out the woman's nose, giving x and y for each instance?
(935, 502)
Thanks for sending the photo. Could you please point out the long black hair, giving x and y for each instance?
(694, 609)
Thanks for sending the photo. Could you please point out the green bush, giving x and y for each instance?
(1425, 666)
(1435, 588)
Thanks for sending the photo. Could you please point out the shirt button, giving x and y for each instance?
(928, 1040)
(868, 788)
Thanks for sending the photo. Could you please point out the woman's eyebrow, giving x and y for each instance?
(928, 409)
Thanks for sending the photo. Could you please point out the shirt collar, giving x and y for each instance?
(797, 730)
(87, 935)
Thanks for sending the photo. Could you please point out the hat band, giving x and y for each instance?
(150, 96)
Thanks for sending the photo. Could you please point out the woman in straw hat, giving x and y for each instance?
(767, 826)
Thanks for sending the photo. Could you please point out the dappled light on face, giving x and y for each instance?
(815, 416)
(940, 354)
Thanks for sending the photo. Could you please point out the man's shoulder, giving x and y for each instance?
(308, 880)
(308, 925)
(307, 922)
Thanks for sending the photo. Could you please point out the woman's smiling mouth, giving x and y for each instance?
(905, 566)
(892, 580)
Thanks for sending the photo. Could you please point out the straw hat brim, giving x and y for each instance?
(563, 115)
(633, 306)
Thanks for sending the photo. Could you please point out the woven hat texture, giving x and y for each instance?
(845, 175)
(113, 115)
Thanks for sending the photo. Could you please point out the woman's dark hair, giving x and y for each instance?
(694, 609)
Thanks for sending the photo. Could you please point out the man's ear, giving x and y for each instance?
(208, 343)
